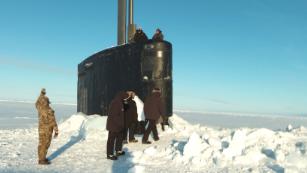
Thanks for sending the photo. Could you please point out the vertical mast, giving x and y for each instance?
(121, 22)
(131, 25)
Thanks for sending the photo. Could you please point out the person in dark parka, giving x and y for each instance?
(115, 126)
(140, 36)
(158, 36)
(131, 118)
(153, 109)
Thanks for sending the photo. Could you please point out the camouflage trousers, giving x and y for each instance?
(44, 140)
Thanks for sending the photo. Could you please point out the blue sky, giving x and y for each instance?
(228, 56)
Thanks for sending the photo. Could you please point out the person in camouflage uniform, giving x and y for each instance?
(46, 125)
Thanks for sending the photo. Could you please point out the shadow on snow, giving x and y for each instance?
(73, 140)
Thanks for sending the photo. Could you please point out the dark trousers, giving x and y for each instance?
(131, 130)
(151, 128)
(114, 138)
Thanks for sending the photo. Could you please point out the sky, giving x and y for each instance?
(228, 56)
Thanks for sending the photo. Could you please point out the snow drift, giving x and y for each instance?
(81, 147)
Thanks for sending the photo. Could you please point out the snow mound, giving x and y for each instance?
(95, 122)
(276, 151)
(95, 128)
(177, 124)
(215, 143)
(87, 127)
(236, 145)
(194, 146)
(289, 128)
(73, 123)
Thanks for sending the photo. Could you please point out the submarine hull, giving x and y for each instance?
(133, 66)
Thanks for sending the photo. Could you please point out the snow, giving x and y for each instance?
(289, 128)
(73, 123)
(136, 169)
(151, 151)
(236, 145)
(183, 147)
(194, 146)
(232, 120)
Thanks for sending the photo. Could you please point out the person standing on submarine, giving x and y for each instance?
(140, 36)
(158, 36)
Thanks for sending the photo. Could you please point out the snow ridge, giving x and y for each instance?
(81, 147)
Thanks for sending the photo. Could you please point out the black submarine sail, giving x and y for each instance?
(129, 66)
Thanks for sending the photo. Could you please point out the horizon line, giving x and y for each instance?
(182, 110)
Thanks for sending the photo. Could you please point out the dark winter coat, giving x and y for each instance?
(153, 107)
(140, 37)
(115, 120)
(158, 37)
(131, 115)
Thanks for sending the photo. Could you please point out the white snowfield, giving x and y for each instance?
(81, 147)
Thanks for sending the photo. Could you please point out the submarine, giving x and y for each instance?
(132, 66)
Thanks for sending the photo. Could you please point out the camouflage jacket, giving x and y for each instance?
(42, 101)
(46, 117)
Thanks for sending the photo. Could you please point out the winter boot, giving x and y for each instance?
(133, 140)
(120, 153)
(111, 157)
(44, 162)
(146, 142)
